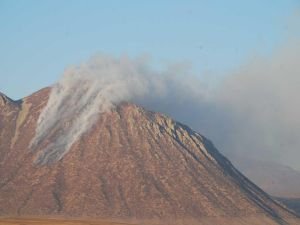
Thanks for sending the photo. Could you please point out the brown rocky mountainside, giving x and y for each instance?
(131, 164)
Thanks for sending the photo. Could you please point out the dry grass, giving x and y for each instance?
(255, 220)
(42, 221)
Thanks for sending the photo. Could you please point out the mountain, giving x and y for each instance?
(132, 163)
(276, 179)
(7, 104)
(292, 203)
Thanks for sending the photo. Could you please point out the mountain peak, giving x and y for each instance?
(132, 163)
(7, 104)
(4, 100)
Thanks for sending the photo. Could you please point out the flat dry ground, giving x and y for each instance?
(38, 221)
(205, 221)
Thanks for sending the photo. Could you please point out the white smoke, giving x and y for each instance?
(253, 112)
(86, 91)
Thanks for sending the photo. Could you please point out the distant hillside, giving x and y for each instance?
(275, 179)
(292, 203)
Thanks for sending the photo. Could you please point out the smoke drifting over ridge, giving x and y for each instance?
(86, 91)
(252, 112)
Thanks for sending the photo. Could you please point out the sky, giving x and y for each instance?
(39, 39)
(228, 69)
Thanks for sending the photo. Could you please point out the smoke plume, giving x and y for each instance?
(253, 112)
(86, 91)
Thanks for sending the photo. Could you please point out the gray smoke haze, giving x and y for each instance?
(262, 98)
(253, 112)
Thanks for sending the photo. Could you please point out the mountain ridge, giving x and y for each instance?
(131, 163)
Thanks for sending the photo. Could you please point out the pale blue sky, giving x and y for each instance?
(38, 39)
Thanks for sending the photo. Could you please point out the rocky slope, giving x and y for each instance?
(131, 164)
